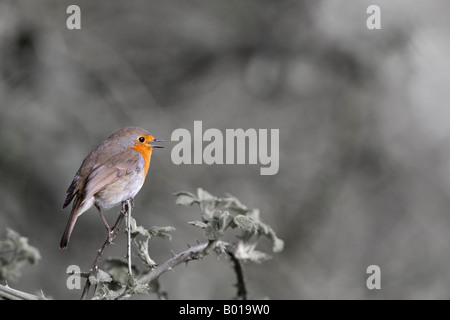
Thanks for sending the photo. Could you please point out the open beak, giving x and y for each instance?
(156, 146)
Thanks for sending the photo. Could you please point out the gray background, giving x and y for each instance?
(364, 135)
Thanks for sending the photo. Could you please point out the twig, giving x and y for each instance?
(129, 209)
(107, 242)
(238, 269)
(9, 293)
(193, 253)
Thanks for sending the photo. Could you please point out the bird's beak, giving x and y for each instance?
(156, 140)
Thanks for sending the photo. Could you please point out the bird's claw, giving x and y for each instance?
(112, 235)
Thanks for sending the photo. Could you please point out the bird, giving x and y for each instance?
(112, 172)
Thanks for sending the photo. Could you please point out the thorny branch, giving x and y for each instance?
(9, 293)
(238, 269)
(125, 207)
(195, 253)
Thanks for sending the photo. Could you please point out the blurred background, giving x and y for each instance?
(364, 135)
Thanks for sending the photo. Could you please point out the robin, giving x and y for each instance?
(112, 173)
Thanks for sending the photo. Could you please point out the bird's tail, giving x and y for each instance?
(69, 227)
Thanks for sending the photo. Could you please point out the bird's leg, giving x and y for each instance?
(124, 206)
(111, 236)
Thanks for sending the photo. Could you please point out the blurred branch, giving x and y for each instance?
(15, 252)
(9, 293)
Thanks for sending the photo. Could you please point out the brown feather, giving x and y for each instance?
(122, 163)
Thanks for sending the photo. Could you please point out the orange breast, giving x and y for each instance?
(146, 152)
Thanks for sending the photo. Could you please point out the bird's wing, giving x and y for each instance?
(72, 190)
(115, 167)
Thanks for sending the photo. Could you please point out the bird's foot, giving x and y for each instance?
(112, 235)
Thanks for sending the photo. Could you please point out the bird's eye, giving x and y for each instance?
(141, 139)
